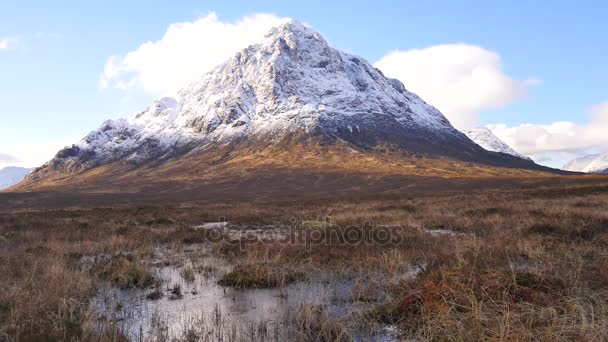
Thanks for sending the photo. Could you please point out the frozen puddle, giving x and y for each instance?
(237, 232)
(524, 266)
(440, 232)
(212, 225)
(227, 313)
(414, 270)
(443, 232)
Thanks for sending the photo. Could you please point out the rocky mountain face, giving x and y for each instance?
(594, 163)
(291, 88)
(12, 175)
(484, 137)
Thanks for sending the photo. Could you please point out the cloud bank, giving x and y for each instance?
(33, 153)
(7, 158)
(461, 80)
(558, 141)
(185, 52)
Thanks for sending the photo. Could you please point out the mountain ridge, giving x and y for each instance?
(485, 138)
(291, 89)
(593, 163)
(11, 175)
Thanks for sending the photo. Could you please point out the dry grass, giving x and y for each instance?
(124, 272)
(260, 276)
(526, 264)
(42, 297)
(323, 164)
(314, 323)
(188, 274)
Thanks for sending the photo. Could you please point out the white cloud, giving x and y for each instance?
(6, 159)
(185, 52)
(7, 42)
(558, 142)
(459, 79)
(47, 35)
(33, 153)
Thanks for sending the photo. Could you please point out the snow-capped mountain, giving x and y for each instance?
(486, 139)
(290, 87)
(12, 175)
(594, 163)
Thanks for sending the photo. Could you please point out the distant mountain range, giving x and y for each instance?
(486, 139)
(594, 163)
(12, 175)
(290, 102)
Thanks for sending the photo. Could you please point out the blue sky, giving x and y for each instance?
(55, 55)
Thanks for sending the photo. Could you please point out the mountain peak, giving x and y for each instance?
(295, 36)
(289, 27)
(290, 86)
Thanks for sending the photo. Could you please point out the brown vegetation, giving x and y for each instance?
(260, 276)
(524, 264)
(299, 168)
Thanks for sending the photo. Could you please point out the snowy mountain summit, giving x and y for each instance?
(593, 163)
(486, 139)
(290, 86)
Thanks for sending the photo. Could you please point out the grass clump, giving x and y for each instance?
(45, 300)
(176, 292)
(315, 323)
(187, 274)
(260, 276)
(155, 294)
(316, 224)
(125, 272)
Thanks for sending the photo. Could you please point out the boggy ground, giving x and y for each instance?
(527, 264)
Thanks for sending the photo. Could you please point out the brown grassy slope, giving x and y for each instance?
(309, 170)
(247, 160)
(203, 167)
